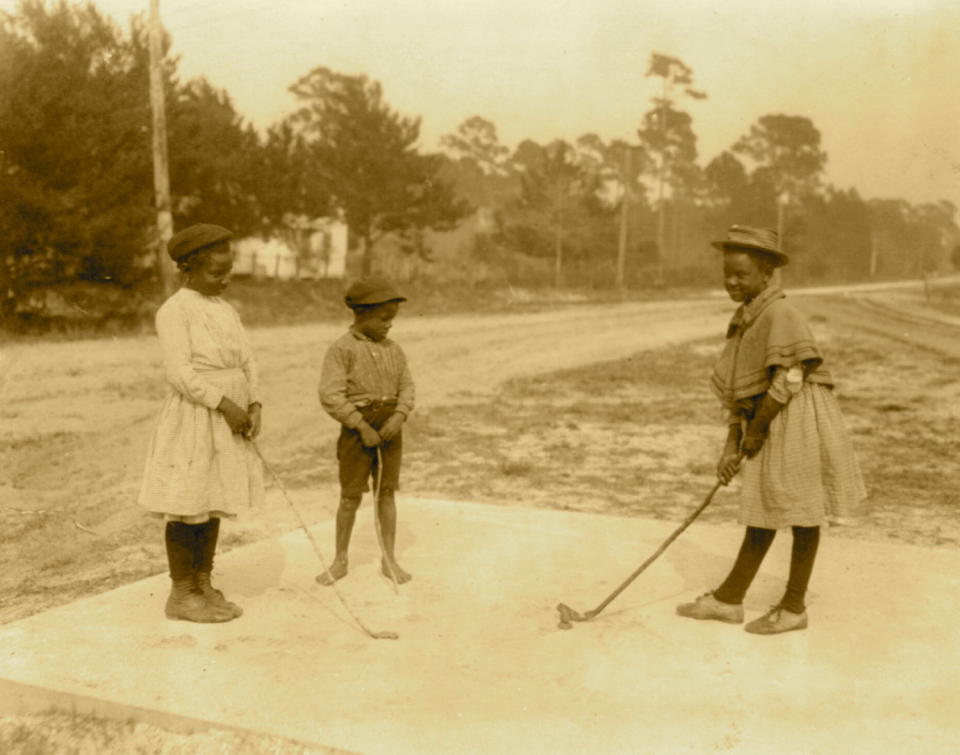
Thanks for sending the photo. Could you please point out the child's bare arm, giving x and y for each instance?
(236, 417)
(255, 419)
(758, 427)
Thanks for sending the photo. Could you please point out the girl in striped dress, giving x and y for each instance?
(800, 470)
(201, 466)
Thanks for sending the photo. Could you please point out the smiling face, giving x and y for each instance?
(744, 276)
(210, 272)
(375, 323)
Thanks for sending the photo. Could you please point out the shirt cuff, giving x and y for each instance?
(353, 420)
(786, 383)
(212, 398)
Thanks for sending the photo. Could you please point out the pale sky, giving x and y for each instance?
(879, 78)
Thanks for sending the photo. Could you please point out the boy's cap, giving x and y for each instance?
(370, 291)
(194, 238)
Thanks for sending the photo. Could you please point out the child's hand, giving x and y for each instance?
(392, 426)
(238, 419)
(727, 467)
(254, 431)
(752, 443)
(368, 436)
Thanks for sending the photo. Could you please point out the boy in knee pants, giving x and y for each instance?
(366, 386)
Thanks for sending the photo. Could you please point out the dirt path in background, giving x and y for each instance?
(900, 318)
(76, 418)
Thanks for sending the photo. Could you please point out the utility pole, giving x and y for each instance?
(782, 198)
(661, 235)
(161, 175)
(558, 243)
(624, 216)
(781, 202)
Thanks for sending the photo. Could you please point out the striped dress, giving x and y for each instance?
(806, 474)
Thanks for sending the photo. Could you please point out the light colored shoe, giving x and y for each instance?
(708, 607)
(777, 620)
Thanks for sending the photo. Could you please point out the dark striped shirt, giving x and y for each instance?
(358, 371)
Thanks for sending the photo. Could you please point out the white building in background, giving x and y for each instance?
(312, 249)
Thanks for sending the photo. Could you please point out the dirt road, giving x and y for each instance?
(76, 418)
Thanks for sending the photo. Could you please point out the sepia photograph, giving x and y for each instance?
(474, 376)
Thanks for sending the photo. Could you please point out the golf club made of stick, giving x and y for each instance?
(384, 635)
(376, 524)
(568, 615)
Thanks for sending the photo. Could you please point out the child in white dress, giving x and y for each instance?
(201, 466)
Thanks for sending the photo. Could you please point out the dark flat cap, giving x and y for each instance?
(370, 291)
(757, 240)
(194, 238)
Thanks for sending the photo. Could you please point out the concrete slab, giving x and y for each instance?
(481, 667)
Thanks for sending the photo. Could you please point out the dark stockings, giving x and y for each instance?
(181, 542)
(756, 543)
(207, 535)
(191, 547)
(806, 540)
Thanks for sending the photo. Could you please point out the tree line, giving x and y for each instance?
(77, 204)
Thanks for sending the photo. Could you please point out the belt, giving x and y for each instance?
(219, 370)
(378, 403)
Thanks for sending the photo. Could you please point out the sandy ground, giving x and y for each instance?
(639, 436)
(76, 418)
(532, 404)
(480, 666)
(60, 732)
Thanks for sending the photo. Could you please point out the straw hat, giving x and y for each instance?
(757, 240)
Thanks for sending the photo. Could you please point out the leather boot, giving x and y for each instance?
(185, 601)
(207, 536)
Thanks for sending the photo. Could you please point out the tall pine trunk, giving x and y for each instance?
(366, 260)
(558, 265)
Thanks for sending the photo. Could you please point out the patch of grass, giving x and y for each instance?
(640, 436)
(60, 732)
(592, 438)
(511, 468)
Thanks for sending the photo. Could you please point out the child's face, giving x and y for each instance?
(376, 323)
(212, 274)
(742, 276)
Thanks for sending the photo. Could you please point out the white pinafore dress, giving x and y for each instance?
(197, 468)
